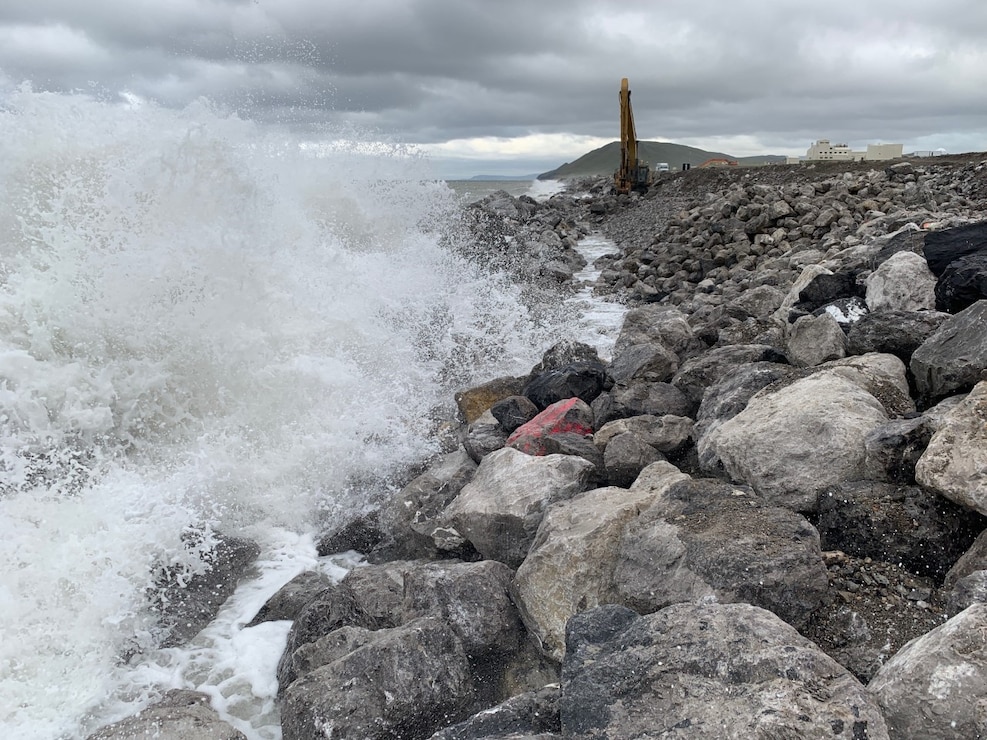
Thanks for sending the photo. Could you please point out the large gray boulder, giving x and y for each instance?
(955, 462)
(936, 686)
(483, 436)
(473, 598)
(405, 681)
(179, 715)
(639, 398)
(706, 672)
(704, 370)
(625, 456)
(903, 282)
(881, 375)
(570, 566)
(760, 301)
(653, 362)
(409, 518)
(727, 398)
(327, 611)
(953, 359)
(665, 325)
(533, 715)
(665, 433)
(791, 443)
(499, 511)
(813, 340)
(703, 540)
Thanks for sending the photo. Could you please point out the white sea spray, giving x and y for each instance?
(204, 327)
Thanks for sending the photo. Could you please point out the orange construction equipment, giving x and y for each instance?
(633, 174)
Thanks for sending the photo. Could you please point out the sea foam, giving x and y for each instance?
(205, 326)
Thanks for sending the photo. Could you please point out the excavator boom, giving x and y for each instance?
(632, 174)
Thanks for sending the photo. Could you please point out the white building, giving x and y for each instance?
(825, 150)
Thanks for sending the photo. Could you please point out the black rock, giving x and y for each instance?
(907, 240)
(942, 247)
(585, 380)
(954, 358)
(826, 288)
(923, 531)
(846, 311)
(896, 333)
(962, 283)
(514, 411)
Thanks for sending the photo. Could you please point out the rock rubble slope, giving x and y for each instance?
(778, 469)
(762, 517)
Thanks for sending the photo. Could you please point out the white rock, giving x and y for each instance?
(570, 566)
(792, 443)
(955, 462)
(903, 282)
(813, 340)
(500, 509)
(936, 686)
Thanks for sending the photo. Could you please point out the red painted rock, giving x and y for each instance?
(571, 416)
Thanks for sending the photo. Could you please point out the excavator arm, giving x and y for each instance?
(633, 174)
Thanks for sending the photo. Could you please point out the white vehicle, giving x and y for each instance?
(661, 167)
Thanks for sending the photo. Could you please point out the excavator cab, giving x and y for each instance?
(633, 173)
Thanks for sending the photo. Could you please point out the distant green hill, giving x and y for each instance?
(604, 161)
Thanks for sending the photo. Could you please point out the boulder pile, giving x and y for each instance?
(533, 241)
(763, 517)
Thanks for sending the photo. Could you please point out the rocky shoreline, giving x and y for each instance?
(763, 517)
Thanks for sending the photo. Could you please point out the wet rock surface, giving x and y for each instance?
(179, 715)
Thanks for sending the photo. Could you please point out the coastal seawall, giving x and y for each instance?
(763, 516)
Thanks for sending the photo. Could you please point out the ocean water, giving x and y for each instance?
(474, 190)
(206, 327)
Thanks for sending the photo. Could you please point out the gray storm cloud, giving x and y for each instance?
(768, 75)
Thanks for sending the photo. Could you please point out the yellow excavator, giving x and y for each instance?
(633, 174)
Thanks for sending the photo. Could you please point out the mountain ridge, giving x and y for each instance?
(605, 159)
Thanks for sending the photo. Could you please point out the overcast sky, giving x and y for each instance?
(520, 86)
